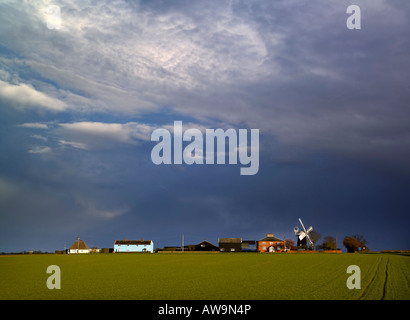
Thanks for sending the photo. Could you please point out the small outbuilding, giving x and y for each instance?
(79, 246)
(230, 244)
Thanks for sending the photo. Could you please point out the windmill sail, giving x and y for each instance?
(305, 233)
(302, 224)
(310, 240)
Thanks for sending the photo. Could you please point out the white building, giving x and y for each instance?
(79, 247)
(133, 245)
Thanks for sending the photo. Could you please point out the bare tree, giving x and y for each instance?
(360, 238)
(329, 243)
(315, 237)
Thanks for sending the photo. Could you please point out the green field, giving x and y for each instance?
(206, 276)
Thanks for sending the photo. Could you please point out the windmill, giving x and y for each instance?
(303, 235)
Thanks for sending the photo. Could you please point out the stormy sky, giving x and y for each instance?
(78, 105)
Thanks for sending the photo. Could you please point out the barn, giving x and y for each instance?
(79, 246)
(202, 246)
(271, 244)
(133, 245)
(205, 246)
(230, 244)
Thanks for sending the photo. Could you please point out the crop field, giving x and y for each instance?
(189, 276)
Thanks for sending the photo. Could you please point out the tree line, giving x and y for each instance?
(354, 243)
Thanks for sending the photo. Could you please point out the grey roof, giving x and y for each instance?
(230, 240)
(133, 242)
(271, 239)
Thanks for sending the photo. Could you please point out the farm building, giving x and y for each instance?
(230, 244)
(271, 244)
(79, 246)
(173, 248)
(133, 245)
(205, 246)
(202, 246)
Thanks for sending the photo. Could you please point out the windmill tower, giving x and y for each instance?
(303, 235)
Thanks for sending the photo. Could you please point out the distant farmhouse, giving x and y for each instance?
(79, 246)
(230, 244)
(133, 245)
(205, 246)
(202, 246)
(271, 244)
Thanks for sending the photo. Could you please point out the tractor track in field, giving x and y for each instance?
(377, 271)
(385, 280)
(371, 281)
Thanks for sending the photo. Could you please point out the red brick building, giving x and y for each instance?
(271, 244)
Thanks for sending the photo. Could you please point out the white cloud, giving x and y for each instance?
(186, 126)
(96, 133)
(116, 131)
(39, 137)
(40, 150)
(26, 96)
(33, 125)
(101, 135)
(77, 145)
